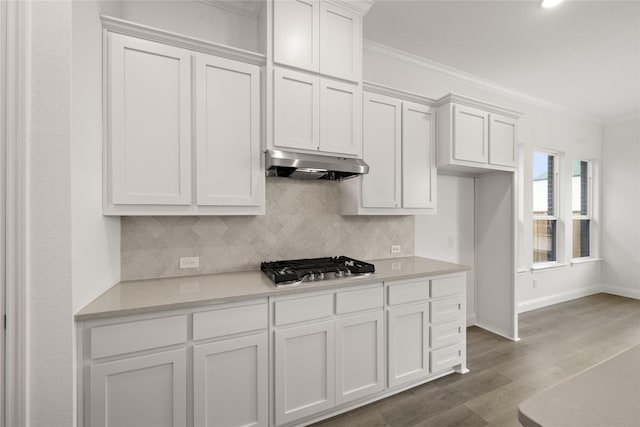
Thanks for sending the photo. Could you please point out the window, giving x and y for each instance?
(581, 208)
(545, 173)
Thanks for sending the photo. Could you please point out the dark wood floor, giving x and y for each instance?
(556, 342)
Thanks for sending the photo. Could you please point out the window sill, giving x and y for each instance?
(548, 266)
(579, 261)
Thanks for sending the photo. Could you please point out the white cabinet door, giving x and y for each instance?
(418, 163)
(296, 109)
(381, 151)
(340, 118)
(228, 132)
(230, 382)
(408, 343)
(304, 371)
(144, 391)
(296, 33)
(502, 140)
(149, 122)
(470, 134)
(359, 356)
(340, 42)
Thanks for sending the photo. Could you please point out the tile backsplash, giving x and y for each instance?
(302, 221)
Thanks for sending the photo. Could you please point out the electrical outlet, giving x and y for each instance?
(396, 249)
(189, 262)
(451, 242)
(535, 283)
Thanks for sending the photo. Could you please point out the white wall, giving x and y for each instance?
(542, 126)
(621, 206)
(95, 238)
(449, 235)
(50, 349)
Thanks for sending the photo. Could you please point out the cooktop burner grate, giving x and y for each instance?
(313, 269)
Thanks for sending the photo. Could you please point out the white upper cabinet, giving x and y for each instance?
(318, 36)
(316, 114)
(473, 136)
(470, 134)
(340, 42)
(182, 126)
(296, 34)
(228, 132)
(418, 172)
(398, 147)
(502, 140)
(340, 117)
(149, 122)
(382, 133)
(296, 109)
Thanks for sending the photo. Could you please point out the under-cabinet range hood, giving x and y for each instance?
(312, 166)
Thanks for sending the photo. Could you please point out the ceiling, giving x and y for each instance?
(584, 55)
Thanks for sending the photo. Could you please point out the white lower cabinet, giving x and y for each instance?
(334, 355)
(284, 361)
(138, 371)
(142, 391)
(230, 382)
(304, 371)
(359, 356)
(408, 344)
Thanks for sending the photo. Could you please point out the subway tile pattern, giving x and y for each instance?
(302, 221)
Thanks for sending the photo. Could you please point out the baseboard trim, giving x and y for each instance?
(557, 298)
(622, 292)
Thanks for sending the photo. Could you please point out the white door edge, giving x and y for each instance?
(14, 52)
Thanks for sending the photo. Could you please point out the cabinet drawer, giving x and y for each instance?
(358, 300)
(448, 333)
(302, 309)
(128, 337)
(446, 358)
(401, 293)
(447, 309)
(447, 286)
(227, 321)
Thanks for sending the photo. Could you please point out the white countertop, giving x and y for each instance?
(142, 296)
(606, 395)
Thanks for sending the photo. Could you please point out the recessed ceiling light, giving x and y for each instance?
(550, 3)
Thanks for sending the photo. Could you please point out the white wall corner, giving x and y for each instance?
(471, 319)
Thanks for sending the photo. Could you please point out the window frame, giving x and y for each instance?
(556, 209)
(590, 203)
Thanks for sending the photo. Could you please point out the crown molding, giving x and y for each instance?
(129, 28)
(486, 84)
(397, 93)
(249, 8)
(358, 6)
(476, 103)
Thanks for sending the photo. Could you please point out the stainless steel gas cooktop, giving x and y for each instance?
(297, 271)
